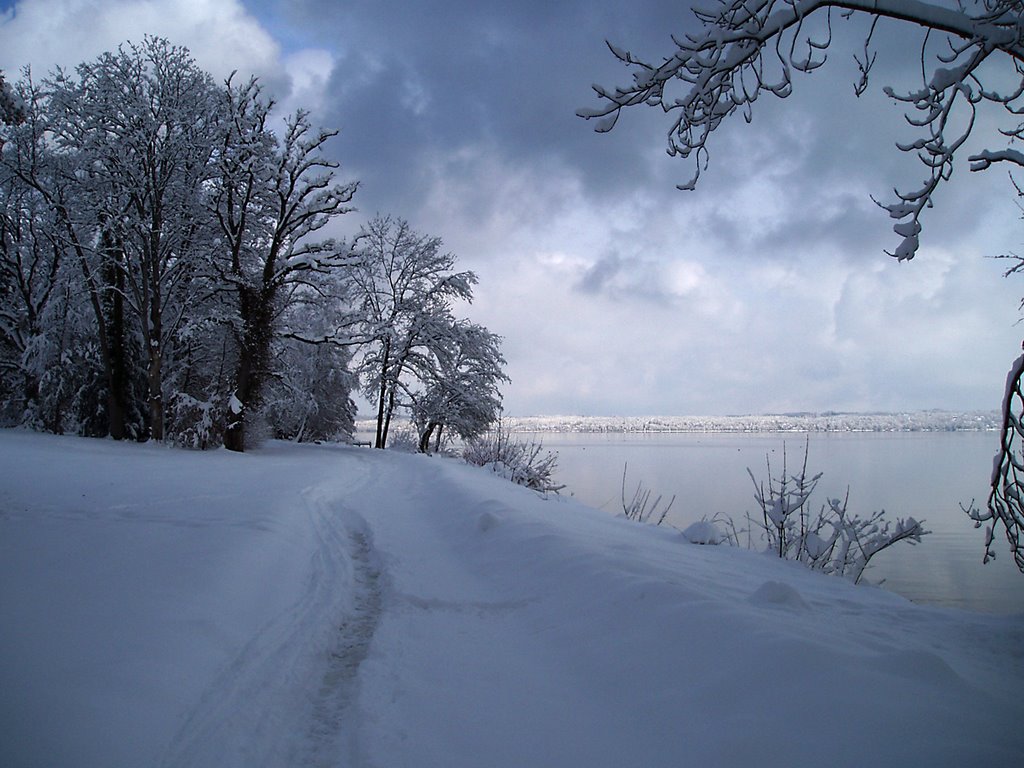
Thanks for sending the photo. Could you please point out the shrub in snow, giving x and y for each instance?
(523, 463)
(640, 508)
(831, 540)
(199, 419)
(404, 438)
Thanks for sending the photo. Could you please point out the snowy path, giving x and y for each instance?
(345, 607)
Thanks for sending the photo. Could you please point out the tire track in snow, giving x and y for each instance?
(333, 737)
(269, 704)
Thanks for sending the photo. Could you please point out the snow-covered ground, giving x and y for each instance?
(336, 606)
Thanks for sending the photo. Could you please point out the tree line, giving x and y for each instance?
(166, 274)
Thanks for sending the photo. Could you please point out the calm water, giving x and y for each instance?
(921, 474)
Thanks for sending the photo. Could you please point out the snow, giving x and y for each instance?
(332, 605)
(703, 532)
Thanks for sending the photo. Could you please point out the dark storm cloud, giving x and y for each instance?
(416, 79)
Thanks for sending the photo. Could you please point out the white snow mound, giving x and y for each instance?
(703, 532)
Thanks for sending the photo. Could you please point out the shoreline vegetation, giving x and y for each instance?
(825, 421)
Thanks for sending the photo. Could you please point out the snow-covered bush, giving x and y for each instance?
(404, 437)
(523, 463)
(720, 528)
(199, 419)
(704, 531)
(831, 540)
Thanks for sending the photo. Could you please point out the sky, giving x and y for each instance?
(766, 290)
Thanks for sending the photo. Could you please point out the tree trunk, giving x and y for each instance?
(381, 397)
(424, 446)
(112, 344)
(154, 372)
(156, 396)
(387, 414)
(253, 357)
(381, 437)
(234, 428)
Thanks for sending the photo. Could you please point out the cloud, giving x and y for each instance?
(309, 70)
(597, 277)
(221, 34)
(224, 36)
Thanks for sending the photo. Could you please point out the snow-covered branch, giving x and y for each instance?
(745, 49)
(1006, 499)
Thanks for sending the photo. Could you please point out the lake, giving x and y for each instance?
(925, 475)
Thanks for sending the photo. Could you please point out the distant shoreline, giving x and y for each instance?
(910, 421)
(829, 421)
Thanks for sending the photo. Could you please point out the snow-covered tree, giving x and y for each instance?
(971, 60)
(11, 107)
(308, 393)
(461, 394)
(30, 158)
(1005, 505)
(405, 286)
(141, 121)
(270, 196)
(154, 235)
(309, 398)
(48, 346)
(30, 267)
